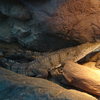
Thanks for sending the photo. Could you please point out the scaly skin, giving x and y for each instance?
(41, 66)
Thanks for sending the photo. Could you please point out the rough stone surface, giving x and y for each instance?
(80, 23)
(52, 22)
(18, 87)
(14, 10)
(94, 65)
(98, 63)
(91, 57)
(91, 65)
(82, 77)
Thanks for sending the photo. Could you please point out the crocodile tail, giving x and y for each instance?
(15, 66)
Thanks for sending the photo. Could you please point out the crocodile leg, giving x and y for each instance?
(37, 72)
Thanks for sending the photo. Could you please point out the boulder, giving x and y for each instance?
(82, 77)
(75, 22)
(19, 87)
(15, 10)
(53, 24)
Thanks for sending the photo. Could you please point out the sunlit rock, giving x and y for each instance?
(82, 77)
(91, 65)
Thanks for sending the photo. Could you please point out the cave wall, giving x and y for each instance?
(44, 25)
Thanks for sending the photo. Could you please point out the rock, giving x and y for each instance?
(91, 57)
(94, 65)
(91, 65)
(98, 63)
(51, 24)
(1, 54)
(19, 31)
(19, 87)
(14, 10)
(5, 34)
(76, 22)
(82, 77)
(2, 17)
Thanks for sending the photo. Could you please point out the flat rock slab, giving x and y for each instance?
(19, 87)
(83, 77)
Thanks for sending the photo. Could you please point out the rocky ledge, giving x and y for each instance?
(82, 77)
(14, 86)
(49, 24)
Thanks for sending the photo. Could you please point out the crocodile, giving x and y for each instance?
(43, 65)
